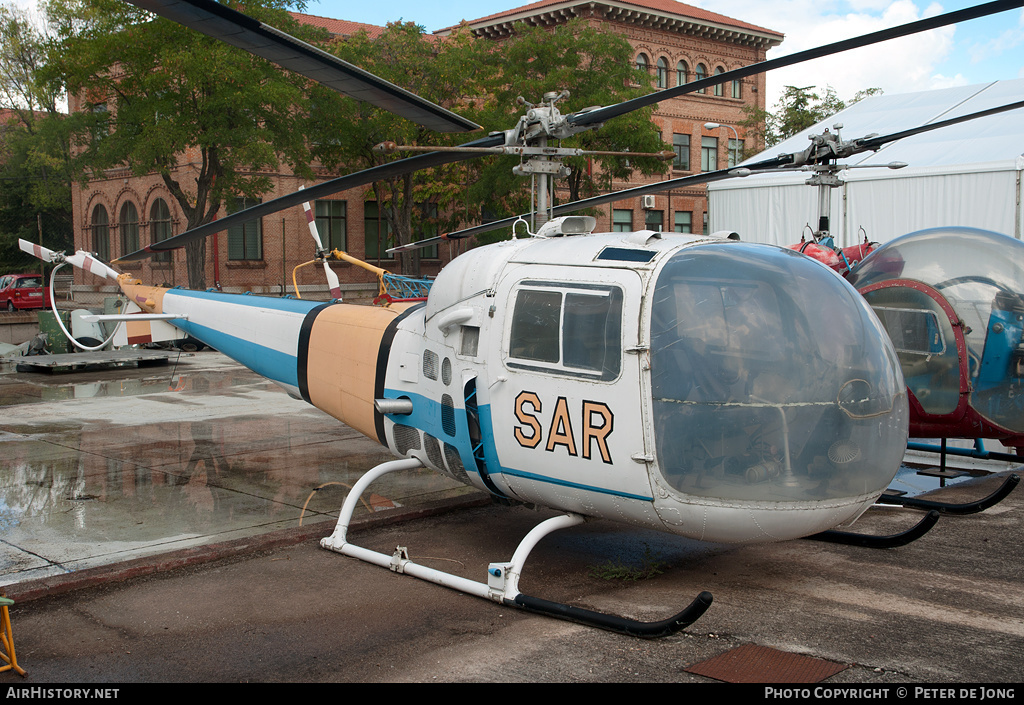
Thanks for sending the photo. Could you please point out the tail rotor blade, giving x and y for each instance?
(332, 281)
(37, 251)
(311, 220)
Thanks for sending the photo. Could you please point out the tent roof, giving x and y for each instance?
(996, 138)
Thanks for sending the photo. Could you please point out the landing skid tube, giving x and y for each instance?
(956, 509)
(869, 541)
(502, 584)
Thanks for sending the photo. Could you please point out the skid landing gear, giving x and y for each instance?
(502, 584)
(955, 509)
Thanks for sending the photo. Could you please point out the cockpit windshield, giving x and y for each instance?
(981, 275)
(768, 370)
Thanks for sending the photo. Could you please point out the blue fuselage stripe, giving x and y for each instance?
(426, 414)
(272, 364)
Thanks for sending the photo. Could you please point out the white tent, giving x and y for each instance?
(967, 174)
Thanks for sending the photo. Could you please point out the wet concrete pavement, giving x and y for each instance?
(945, 609)
(106, 466)
(165, 545)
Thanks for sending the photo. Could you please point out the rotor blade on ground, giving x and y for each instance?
(328, 188)
(215, 20)
(591, 117)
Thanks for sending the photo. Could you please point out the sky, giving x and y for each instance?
(973, 52)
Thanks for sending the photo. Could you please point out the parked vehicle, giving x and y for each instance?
(24, 291)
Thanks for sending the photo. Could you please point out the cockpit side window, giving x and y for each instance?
(567, 329)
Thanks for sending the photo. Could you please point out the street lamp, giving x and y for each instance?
(715, 126)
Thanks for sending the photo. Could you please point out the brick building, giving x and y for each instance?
(676, 43)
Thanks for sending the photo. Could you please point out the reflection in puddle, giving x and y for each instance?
(220, 454)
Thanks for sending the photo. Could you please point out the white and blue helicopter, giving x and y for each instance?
(673, 382)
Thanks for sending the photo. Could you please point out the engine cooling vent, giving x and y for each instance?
(448, 414)
(455, 464)
(407, 438)
(434, 455)
(430, 364)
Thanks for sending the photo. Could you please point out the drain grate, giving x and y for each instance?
(760, 664)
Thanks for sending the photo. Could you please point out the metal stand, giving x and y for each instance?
(502, 584)
(7, 638)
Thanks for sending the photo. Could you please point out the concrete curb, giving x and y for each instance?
(160, 563)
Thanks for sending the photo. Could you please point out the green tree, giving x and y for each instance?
(482, 79)
(597, 69)
(35, 183)
(344, 132)
(797, 110)
(152, 91)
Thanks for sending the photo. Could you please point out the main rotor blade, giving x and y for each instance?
(606, 113)
(875, 143)
(647, 189)
(220, 22)
(327, 188)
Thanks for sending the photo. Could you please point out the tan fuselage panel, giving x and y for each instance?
(344, 351)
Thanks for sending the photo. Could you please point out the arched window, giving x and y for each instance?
(719, 88)
(700, 73)
(662, 73)
(100, 227)
(160, 226)
(736, 89)
(681, 70)
(642, 63)
(128, 224)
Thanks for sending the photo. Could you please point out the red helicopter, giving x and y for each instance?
(951, 300)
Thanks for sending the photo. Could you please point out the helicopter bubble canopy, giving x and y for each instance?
(771, 380)
(980, 274)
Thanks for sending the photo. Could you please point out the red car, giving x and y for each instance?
(21, 291)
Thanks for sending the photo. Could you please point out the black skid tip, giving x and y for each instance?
(620, 625)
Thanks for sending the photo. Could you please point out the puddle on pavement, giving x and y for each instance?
(47, 387)
(225, 454)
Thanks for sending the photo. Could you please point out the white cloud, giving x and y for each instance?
(897, 66)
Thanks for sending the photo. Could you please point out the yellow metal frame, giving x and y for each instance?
(344, 257)
(8, 655)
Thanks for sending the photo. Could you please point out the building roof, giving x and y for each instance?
(338, 28)
(667, 14)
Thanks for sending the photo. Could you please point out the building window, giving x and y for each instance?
(684, 222)
(719, 88)
(700, 73)
(101, 233)
(622, 220)
(331, 224)
(662, 73)
(377, 232)
(735, 152)
(681, 146)
(101, 121)
(655, 220)
(736, 89)
(642, 63)
(128, 226)
(681, 71)
(245, 241)
(708, 153)
(160, 227)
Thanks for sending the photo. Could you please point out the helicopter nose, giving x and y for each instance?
(772, 382)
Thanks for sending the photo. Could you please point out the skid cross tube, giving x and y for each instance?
(502, 584)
